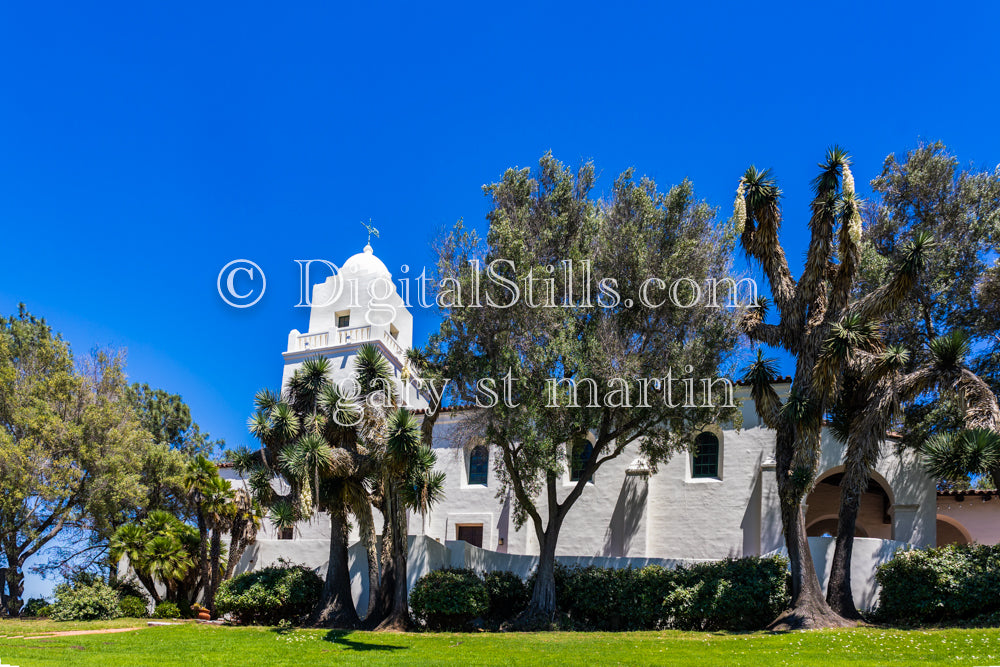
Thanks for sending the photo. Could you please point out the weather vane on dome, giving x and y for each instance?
(371, 229)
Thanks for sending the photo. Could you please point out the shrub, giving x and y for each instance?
(34, 607)
(507, 593)
(85, 600)
(594, 597)
(449, 599)
(949, 583)
(167, 610)
(732, 594)
(133, 607)
(268, 595)
(616, 599)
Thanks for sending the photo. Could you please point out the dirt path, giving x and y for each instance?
(72, 633)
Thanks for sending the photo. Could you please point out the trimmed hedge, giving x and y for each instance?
(449, 599)
(270, 595)
(507, 593)
(943, 584)
(85, 600)
(732, 594)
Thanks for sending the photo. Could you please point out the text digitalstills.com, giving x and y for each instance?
(567, 284)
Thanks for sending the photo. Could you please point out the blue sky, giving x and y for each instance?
(143, 146)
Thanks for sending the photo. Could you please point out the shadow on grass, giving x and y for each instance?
(343, 638)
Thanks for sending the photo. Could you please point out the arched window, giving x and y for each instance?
(582, 450)
(706, 455)
(479, 463)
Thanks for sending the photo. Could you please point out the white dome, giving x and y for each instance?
(365, 263)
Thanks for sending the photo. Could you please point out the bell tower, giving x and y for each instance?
(357, 305)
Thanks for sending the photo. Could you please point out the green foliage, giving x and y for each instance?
(508, 595)
(449, 599)
(132, 606)
(85, 600)
(927, 191)
(34, 607)
(70, 444)
(268, 595)
(943, 584)
(167, 610)
(168, 419)
(544, 216)
(732, 594)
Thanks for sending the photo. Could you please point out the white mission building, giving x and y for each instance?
(722, 502)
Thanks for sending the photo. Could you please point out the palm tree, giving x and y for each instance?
(807, 310)
(302, 444)
(219, 510)
(160, 548)
(865, 407)
(401, 452)
(242, 529)
(953, 455)
(129, 541)
(874, 389)
(197, 480)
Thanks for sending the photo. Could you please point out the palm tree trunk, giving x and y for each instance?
(336, 605)
(366, 530)
(203, 550)
(238, 543)
(399, 614)
(387, 578)
(150, 585)
(215, 579)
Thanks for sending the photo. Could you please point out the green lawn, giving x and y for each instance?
(191, 644)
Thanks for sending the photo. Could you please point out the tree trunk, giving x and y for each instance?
(366, 530)
(838, 592)
(3, 591)
(398, 619)
(541, 610)
(150, 586)
(808, 608)
(15, 585)
(387, 579)
(214, 580)
(203, 550)
(237, 546)
(336, 605)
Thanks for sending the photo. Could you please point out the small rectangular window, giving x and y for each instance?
(343, 321)
(287, 533)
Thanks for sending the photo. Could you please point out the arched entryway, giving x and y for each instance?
(950, 531)
(823, 505)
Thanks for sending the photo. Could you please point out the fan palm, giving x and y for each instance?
(129, 541)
